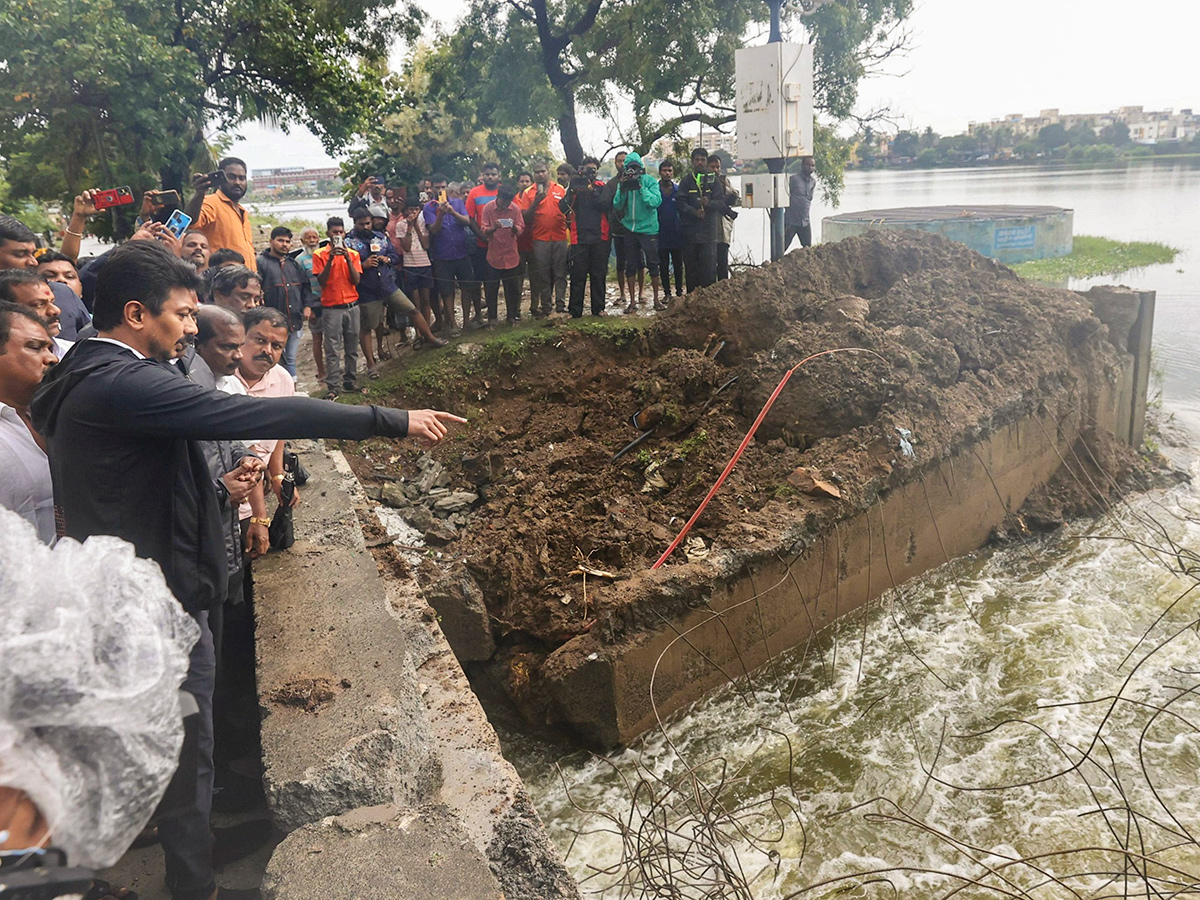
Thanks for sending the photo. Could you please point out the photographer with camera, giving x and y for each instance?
(636, 205)
(224, 221)
(588, 204)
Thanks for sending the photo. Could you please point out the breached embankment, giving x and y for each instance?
(871, 468)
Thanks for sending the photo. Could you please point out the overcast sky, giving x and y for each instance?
(970, 61)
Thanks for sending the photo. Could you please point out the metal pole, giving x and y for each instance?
(775, 166)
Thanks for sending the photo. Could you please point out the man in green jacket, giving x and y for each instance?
(636, 203)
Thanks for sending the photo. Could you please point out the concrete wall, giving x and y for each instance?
(378, 758)
(1010, 240)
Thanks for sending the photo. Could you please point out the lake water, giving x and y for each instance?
(961, 734)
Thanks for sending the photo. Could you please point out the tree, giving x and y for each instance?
(1116, 134)
(416, 135)
(673, 66)
(109, 92)
(1051, 137)
(906, 144)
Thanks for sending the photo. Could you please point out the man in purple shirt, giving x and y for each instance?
(451, 238)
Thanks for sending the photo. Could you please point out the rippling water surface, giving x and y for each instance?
(920, 685)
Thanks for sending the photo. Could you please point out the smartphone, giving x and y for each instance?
(505, 223)
(179, 222)
(216, 179)
(120, 196)
(338, 241)
(441, 196)
(168, 199)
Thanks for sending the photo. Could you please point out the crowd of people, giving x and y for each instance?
(128, 408)
(147, 392)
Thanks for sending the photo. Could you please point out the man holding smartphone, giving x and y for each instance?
(338, 271)
(222, 219)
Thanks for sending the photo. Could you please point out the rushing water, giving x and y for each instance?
(894, 697)
(840, 741)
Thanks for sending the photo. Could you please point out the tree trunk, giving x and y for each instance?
(568, 128)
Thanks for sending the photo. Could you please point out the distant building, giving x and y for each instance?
(712, 140)
(1144, 127)
(291, 176)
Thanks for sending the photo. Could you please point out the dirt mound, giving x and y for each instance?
(959, 345)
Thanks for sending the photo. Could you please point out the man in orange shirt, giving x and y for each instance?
(223, 220)
(338, 273)
(545, 218)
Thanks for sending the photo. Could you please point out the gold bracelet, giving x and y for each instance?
(277, 477)
(77, 234)
(255, 520)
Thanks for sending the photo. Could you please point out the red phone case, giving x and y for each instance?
(119, 196)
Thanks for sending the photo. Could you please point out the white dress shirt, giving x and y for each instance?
(25, 485)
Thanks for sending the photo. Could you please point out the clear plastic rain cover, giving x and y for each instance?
(93, 648)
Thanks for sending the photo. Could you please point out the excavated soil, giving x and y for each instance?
(959, 345)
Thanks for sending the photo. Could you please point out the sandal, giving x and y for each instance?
(332, 395)
(373, 374)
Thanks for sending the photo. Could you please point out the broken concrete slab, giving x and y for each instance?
(324, 621)
(455, 502)
(462, 614)
(385, 851)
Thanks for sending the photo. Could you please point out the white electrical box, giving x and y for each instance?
(764, 191)
(774, 101)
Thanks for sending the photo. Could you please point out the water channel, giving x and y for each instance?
(874, 752)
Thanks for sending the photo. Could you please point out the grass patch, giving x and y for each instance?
(1094, 256)
(477, 353)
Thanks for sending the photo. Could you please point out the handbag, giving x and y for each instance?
(291, 463)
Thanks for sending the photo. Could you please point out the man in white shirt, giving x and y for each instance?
(26, 352)
(25, 287)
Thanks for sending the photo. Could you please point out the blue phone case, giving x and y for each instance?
(179, 222)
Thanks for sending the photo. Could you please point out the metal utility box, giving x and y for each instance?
(774, 101)
(764, 191)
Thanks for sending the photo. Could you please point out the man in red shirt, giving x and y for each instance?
(545, 218)
(478, 199)
(338, 273)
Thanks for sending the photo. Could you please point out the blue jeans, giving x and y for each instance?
(289, 352)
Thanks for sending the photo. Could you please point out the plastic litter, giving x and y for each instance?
(906, 446)
(93, 648)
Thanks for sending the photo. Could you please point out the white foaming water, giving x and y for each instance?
(1008, 696)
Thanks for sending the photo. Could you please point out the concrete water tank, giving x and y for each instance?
(1011, 234)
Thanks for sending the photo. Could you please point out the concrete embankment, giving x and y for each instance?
(968, 392)
(378, 758)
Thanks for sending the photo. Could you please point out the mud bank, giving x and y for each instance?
(980, 390)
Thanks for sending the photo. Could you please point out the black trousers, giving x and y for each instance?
(699, 265)
(722, 261)
(587, 262)
(804, 232)
(511, 279)
(668, 259)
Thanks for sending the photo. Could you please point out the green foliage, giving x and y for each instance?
(541, 62)
(438, 372)
(421, 130)
(694, 442)
(1093, 256)
(108, 92)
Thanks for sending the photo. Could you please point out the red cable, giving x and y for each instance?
(745, 443)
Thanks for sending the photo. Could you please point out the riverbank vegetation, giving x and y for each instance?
(1094, 256)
